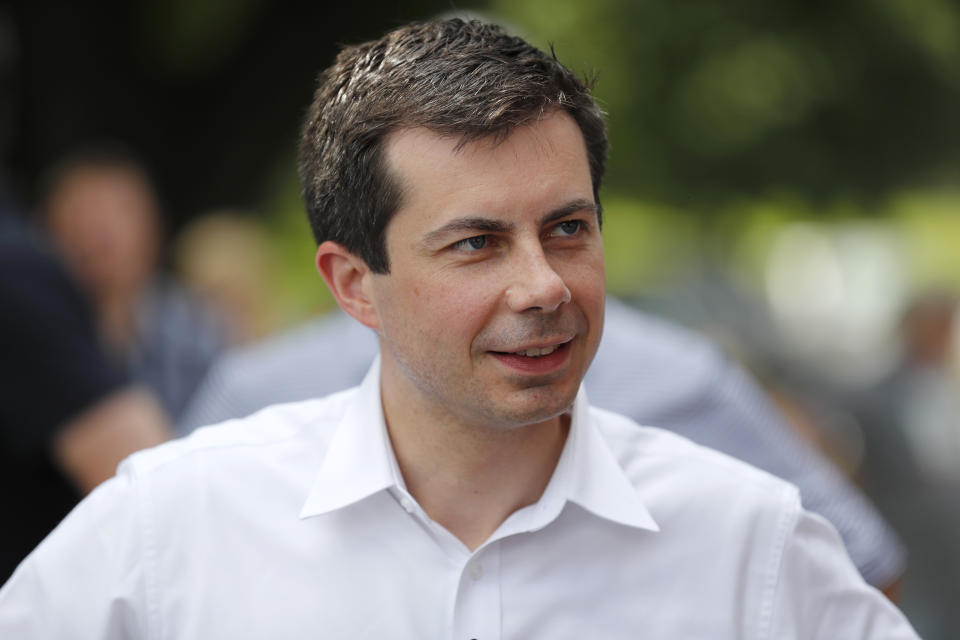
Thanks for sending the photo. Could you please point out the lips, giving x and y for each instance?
(536, 360)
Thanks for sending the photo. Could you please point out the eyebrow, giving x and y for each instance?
(469, 223)
(573, 206)
(491, 225)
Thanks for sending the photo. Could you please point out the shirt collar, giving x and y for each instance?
(589, 475)
(360, 462)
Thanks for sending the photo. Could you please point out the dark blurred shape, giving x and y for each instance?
(68, 416)
(211, 92)
(101, 212)
(911, 422)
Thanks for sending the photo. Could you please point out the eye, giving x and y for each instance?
(568, 228)
(476, 243)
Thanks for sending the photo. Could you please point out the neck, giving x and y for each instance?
(117, 320)
(470, 479)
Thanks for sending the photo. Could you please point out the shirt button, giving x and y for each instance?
(476, 571)
(407, 505)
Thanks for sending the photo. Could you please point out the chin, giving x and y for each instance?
(535, 407)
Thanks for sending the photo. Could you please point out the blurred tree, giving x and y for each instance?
(711, 102)
(713, 98)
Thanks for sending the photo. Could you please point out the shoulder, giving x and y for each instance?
(264, 440)
(674, 473)
(711, 510)
(33, 272)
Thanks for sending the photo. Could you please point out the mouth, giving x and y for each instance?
(536, 352)
(536, 359)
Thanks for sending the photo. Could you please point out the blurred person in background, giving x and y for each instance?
(911, 425)
(930, 413)
(68, 415)
(223, 257)
(102, 213)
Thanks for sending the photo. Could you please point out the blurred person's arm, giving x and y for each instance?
(88, 448)
(63, 397)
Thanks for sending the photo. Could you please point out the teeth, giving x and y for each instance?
(536, 352)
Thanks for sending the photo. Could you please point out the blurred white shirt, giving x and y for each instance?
(296, 523)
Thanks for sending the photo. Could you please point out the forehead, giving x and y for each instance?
(85, 184)
(534, 169)
(92, 181)
(96, 200)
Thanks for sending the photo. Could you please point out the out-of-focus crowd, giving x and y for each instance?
(103, 345)
(110, 330)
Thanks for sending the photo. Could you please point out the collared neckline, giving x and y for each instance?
(360, 462)
(589, 475)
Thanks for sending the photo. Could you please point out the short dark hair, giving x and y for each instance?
(466, 79)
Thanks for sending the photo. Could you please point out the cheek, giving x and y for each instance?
(457, 303)
(453, 307)
(586, 278)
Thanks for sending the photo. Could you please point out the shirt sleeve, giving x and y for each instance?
(767, 442)
(820, 595)
(86, 579)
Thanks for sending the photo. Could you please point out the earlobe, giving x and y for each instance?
(347, 276)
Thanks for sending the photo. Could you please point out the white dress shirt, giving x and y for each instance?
(650, 370)
(295, 523)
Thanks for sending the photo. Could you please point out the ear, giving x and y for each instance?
(348, 278)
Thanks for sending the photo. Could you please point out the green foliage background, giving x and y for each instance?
(731, 119)
(728, 119)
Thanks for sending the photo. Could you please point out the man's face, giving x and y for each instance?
(493, 307)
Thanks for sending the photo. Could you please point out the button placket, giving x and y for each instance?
(477, 612)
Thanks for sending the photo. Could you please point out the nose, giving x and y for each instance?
(536, 285)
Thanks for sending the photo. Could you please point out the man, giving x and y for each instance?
(466, 489)
(646, 368)
(68, 416)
